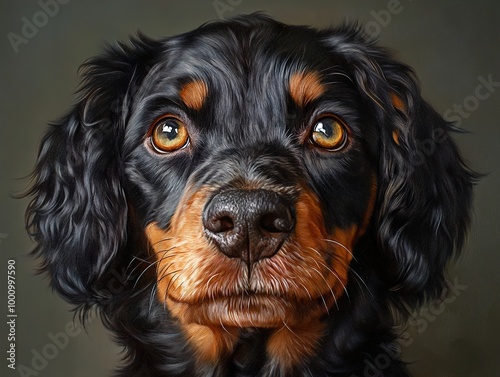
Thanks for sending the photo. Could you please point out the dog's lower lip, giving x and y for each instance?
(262, 311)
(258, 310)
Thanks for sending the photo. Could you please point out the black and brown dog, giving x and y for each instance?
(270, 198)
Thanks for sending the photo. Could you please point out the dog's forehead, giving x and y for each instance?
(249, 66)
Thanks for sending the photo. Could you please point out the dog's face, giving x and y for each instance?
(255, 175)
(259, 169)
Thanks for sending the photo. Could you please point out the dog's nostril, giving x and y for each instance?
(219, 224)
(276, 222)
(223, 224)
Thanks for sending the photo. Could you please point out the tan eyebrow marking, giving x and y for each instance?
(194, 94)
(305, 87)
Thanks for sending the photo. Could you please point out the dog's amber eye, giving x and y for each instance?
(329, 133)
(169, 134)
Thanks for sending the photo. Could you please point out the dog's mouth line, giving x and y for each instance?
(327, 299)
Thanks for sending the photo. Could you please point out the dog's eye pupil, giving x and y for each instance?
(170, 131)
(169, 134)
(329, 133)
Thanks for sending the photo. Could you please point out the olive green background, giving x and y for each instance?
(454, 47)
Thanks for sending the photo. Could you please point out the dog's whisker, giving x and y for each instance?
(174, 279)
(223, 327)
(136, 258)
(162, 240)
(152, 297)
(165, 257)
(332, 271)
(285, 325)
(306, 290)
(342, 246)
(163, 271)
(163, 276)
(145, 260)
(208, 282)
(341, 283)
(165, 251)
(141, 275)
(357, 276)
(156, 263)
(327, 309)
(141, 259)
(326, 282)
(131, 273)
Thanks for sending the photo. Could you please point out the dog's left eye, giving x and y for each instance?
(169, 134)
(330, 133)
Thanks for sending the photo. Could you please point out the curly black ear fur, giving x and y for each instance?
(425, 187)
(78, 216)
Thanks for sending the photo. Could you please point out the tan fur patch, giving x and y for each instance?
(210, 343)
(305, 87)
(194, 94)
(289, 346)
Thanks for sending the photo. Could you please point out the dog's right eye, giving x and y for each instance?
(169, 134)
(330, 133)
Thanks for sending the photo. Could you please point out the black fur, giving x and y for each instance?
(96, 187)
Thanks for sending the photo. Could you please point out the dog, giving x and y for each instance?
(250, 199)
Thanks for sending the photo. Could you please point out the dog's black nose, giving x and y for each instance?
(248, 224)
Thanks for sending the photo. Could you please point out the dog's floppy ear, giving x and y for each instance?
(425, 188)
(78, 214)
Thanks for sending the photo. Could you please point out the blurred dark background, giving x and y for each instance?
(454, 48)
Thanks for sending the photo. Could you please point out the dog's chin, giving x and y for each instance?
(250, 311)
